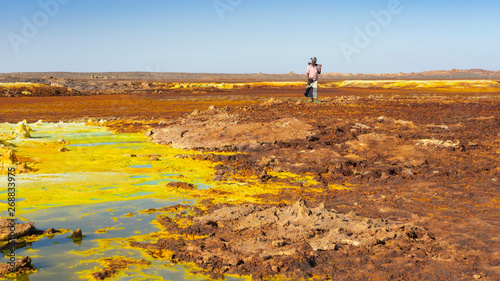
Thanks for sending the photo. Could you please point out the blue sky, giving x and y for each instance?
(248, 36)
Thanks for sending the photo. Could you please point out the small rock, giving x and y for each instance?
(476, 276)
(181, 185)
(9, 157)
(21, 266)
(63, 149)
(77, 234)
(278, 243)
(384, 176)
(265, 177)
(23, 168)
(362, 126)
(473, 144)
(20, 230)
(409, 172)
(50, 231)
(22, 131)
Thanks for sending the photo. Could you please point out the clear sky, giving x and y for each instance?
(248, 36)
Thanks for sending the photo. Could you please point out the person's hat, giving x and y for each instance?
(314, 60)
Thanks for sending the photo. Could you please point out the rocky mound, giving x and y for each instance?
(295, 241)
(21, 266)
(20, 230)
(217, 128)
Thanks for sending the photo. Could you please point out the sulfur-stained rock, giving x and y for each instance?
(77, 234)
(50, 231)
(20, 230)
(181, 185)
(115, 265)
(21, 266)
(22, 131)
(8, 157)
(23, 168)
(222, 130)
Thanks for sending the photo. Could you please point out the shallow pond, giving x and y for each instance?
(100, 183)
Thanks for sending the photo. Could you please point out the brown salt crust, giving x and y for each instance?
(298, 242)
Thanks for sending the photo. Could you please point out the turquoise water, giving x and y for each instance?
(139, 176)
(142, 166)
(56, 258)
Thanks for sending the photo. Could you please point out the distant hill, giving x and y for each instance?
(454, 74)
(43, 77)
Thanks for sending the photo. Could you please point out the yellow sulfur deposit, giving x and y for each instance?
(22, 131)
(416, 84)
(8, 157)
(20, 85)
(225, 86)
(97, 165)
(116, 265)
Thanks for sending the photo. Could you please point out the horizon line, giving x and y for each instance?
(250, 73)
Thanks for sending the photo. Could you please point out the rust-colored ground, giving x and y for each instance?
(150, 105)
(425, 158)
(428, 159)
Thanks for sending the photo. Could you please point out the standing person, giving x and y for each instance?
(313, 71)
